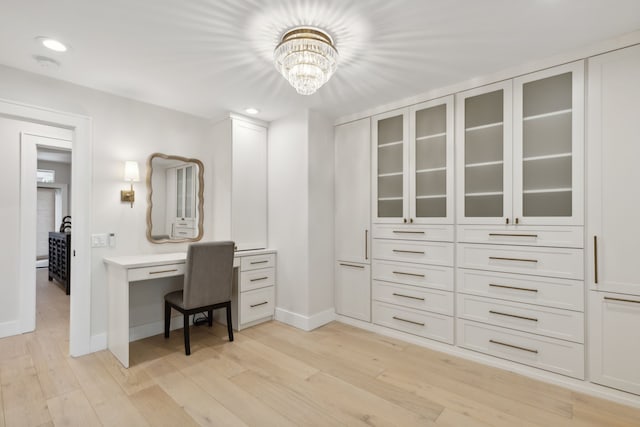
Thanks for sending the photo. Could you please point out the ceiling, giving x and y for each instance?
(207, 57)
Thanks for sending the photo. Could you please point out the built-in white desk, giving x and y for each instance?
(252, 301)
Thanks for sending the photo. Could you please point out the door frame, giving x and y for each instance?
(80, 304)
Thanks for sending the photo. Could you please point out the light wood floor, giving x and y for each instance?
(272, 375)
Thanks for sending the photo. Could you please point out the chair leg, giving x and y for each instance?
(187, 345)
(167, 319)
(210, 317)
(229, 325)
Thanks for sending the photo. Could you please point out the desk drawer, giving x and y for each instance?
(412, 296)
(426, 276)
(562, 237)
(255, 262)
(551, 262)
(256, 304)
(551, 322)
(155, 272)
(441, 233)
(418, 252)
(429, 325)
(256, 279)
(554, 355)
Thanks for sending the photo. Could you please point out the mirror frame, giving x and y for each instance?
(200, 198)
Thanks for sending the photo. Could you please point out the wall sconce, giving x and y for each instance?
(131, 175)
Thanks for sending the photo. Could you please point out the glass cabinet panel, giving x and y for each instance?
(180, 192)
(189, 204)
(390, 146)
(431, 162)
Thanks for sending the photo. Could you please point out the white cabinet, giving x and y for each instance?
(353, 290)
(520, 150)
(412, 155)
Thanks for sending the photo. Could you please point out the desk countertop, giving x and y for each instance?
(149, 260)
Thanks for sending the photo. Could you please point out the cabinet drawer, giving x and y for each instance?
(428, 276)
(441, 233)
(414, 297)
(256, 279)
(550, 322)
(257, 304)
(563, 237)
(353, 290)
(560, 293)
(184, 232)
(419, 252)
(155, 272)
(255, 262)
(552, 262)
(187, 222)
(429, 325)
(562, 357)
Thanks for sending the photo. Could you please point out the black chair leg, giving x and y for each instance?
(167, 318)
(210, 317)
(187, 345)
(229, 325)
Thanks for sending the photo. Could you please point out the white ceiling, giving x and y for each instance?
(206, 57)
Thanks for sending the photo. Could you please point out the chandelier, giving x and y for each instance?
(307, 58)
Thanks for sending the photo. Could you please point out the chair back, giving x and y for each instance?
(208, 276)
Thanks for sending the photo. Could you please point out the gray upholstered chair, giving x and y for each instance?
(208, 278)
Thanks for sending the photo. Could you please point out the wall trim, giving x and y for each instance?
(585, 386)
(306, 323)
(10, 328)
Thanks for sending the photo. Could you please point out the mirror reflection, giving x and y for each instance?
(175, 187)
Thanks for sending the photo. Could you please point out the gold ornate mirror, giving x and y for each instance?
(175, 188)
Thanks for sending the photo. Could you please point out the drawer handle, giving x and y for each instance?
(259, 262)
(259, 278)
(408, 252)
(408, 321)
(257, 305)
(595, 259)
(514, 346)
(408, 274)
(407, 232)
(512, 287)
(621, 300)
(163, 271)
(512, 235)
(533, 319)
(182, 232)
(408, 296)
(351, 265)
(512, 259)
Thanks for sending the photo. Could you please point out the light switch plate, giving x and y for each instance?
(99, 240)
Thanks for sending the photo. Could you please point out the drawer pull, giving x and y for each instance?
(533, 319)
(408, 252)
(621, 300)
(512, 235)
(408, 296)
(512, 259)
(408, 321)
(407, 232)
(351, 265)
(259, 278)
(408, 274)
(514, 346)
(163, 271)
(595, 259)
(259, 262)
(512, 287)
(259, 304)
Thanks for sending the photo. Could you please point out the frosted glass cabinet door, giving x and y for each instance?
(390, 155)
(431, 162)
(484, 161)
(548, 146)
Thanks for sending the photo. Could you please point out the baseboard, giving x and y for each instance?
(8, 329)
(306, 323)
(585, 387)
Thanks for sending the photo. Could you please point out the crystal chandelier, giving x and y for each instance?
(307, 58)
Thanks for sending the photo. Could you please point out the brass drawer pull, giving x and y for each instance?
(407, 232)
(514, 346)
(408, 321)
(511, 235)
(257, 305)
(408, 252)
(512, 287)
(621, 300)
(259, 278)
(512, 259)
(259, 262)
(163, 271)
(351, 265)
(408, 274)
(408, 296)
(533, 319)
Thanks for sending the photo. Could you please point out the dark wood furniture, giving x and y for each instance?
(60, 259)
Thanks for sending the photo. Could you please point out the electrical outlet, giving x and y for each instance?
(99, 240)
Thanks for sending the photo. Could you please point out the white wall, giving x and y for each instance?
(122, 130)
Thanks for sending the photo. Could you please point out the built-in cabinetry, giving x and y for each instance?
(184, 221)
(253, 298)
(613, 230)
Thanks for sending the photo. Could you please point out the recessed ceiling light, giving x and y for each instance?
(252, 110)
(52, 44)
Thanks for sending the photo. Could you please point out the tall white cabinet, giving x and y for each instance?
(613, 230)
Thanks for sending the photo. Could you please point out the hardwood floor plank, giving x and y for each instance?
(132, 379)
(119, 411)
(55, 376)
(72, 409)
(2, 420)
(159, 409)
(22, 397)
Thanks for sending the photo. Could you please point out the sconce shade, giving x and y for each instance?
(131, 171)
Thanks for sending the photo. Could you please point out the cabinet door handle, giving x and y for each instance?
(257, 279)
(366, 244)
(511, 235)
(512, 287)
(512, 259)
(621, 300)
(408, 321)
(408, 232)
(351, 265)
(259, 304)
(259, 262)
(408, 252)
(407, 296)
(533, 319)
(163, 271)
(506, 220)
(514, 346)
(408, 274)
(595, 259)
